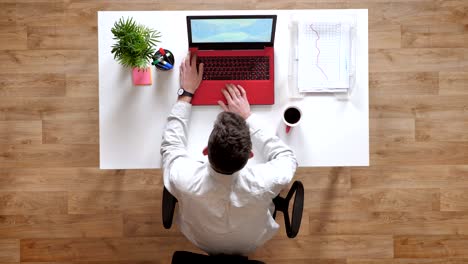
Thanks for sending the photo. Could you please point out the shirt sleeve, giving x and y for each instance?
(175, 160)
(278, 171)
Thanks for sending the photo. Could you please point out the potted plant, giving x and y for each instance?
(134, 48)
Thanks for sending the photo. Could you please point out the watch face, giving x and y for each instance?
(180, 91)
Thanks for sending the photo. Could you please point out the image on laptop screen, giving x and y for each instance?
(231, 30)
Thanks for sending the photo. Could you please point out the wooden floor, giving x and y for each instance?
(409, 206)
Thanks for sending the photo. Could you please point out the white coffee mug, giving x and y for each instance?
(292, 116)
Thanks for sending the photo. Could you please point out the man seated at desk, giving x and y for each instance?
(225, 207)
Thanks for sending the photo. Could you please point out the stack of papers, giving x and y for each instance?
(323, 56)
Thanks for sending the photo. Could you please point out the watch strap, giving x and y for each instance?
(185, 93)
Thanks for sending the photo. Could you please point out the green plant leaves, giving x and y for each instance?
(135, 43)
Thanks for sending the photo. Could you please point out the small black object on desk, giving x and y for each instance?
(163, 60)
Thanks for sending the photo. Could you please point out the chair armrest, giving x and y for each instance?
(293, 223)
(168, 208)
(298, 208)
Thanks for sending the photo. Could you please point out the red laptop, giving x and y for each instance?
(234, 49)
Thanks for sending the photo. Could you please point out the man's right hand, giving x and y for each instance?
(237, 101)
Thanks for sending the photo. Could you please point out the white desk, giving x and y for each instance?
(132, 118)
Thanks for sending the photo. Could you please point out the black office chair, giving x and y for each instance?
(292, 225)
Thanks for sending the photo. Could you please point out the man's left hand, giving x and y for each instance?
(190, 78)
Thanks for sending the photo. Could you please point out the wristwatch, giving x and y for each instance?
(182, 92)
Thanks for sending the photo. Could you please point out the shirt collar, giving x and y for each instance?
(218, 174)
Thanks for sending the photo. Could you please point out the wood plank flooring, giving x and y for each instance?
(410, 206)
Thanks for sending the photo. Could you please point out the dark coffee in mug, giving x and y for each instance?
(292, 115)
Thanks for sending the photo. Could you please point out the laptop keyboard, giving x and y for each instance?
(235, 68)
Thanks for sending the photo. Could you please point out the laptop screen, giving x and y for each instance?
(231, 30)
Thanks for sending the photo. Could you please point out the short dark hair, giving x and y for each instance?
(229, 145)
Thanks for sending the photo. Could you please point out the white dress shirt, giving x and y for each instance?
(219, 213)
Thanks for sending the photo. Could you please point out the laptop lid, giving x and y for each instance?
(231, 32)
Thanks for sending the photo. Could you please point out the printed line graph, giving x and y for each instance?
(324, 35)
(323, 55)
(318, 50)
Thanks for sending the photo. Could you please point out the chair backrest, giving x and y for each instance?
(292, 225)
(185, 257)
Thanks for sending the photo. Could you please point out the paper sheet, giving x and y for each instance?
(323, 56)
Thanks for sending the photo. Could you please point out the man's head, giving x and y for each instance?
(229, 145)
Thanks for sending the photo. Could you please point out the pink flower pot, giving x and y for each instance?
(141, 76)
